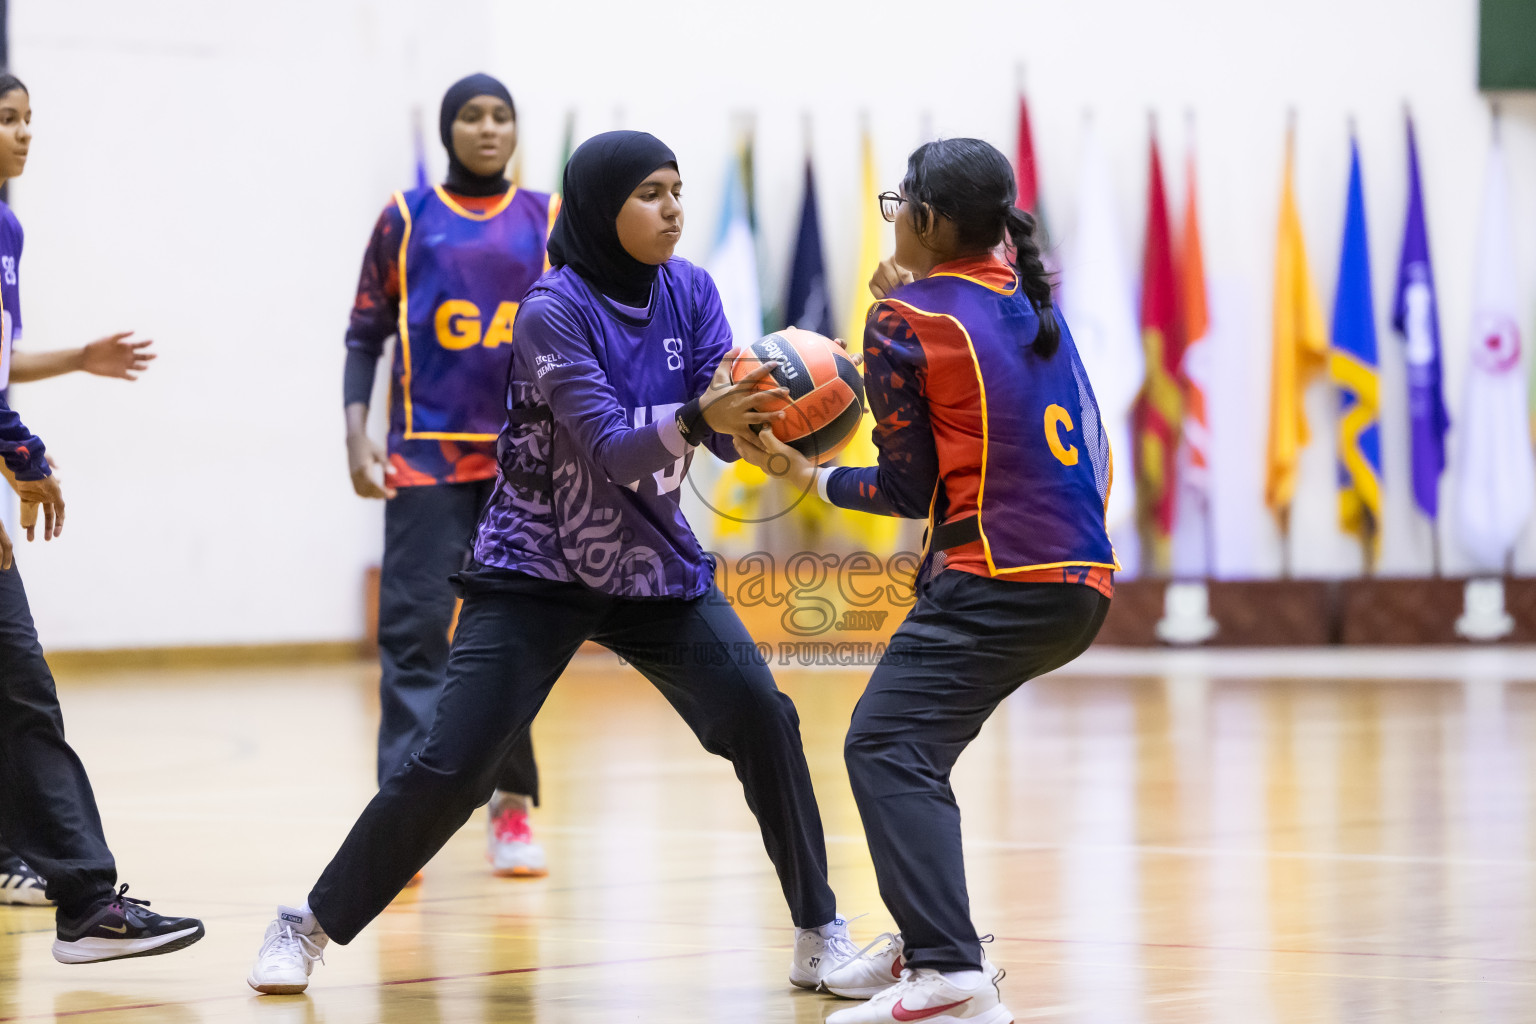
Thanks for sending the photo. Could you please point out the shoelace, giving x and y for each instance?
(124, 903)
(885, 938)
(1001, 972)
(513, 827)
(841, 946)
(306, 947)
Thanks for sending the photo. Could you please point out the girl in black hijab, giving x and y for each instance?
(621, 367)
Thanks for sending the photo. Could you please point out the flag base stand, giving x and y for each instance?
(1483, 614)
(1186, 614)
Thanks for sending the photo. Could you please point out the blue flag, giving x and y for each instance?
(806, 300)
(1416, 316)
(1353, 366)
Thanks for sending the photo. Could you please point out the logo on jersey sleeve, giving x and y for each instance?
(670, 478)
(459, 325)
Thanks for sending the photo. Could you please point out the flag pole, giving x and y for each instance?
(1285, 542)
(1434, 548)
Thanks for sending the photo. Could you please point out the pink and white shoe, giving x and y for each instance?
(510, 847)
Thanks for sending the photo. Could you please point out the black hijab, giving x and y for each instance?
(460, 178)
(601, 174)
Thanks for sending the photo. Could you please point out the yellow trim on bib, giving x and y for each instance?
(549, 229)
(411, 434)
(448, 201)
(973, 280)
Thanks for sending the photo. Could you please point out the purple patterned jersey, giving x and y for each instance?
(589, 486)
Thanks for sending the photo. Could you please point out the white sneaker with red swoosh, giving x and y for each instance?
(928, 996)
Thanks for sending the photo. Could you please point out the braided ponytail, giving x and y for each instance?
(970, 183)
(1020, 225)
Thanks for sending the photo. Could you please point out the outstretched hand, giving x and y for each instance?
(116, 356)
(764, 450)
(736, 407)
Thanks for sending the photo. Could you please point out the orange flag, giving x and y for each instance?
(1300, 348)
(1160, 407)
(1197, 437)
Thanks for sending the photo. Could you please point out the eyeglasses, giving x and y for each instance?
(890, 205)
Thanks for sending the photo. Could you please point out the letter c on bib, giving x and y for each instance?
(458, 324)
(1055, 418)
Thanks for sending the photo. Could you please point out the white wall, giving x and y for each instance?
(208, 173)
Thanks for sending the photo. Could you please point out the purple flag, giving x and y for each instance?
(1416, 316)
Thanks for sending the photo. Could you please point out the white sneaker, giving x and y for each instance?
(929, 997)
(510, 847)
(877, 967)
(293, 945)
(22, 886)
(819, 951)
(869, 971)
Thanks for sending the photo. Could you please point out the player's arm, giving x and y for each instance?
(27, 471)
(907, 469)
(375, 316)
(559, 353)
(117, 355)
(713, 350)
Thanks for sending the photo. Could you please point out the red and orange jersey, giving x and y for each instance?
(971, 424)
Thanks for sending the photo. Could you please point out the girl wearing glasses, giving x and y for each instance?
(987, 428)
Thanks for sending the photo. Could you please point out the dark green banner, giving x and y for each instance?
(1507, 45)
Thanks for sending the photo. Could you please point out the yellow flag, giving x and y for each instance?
(1300, 347)
(873, 533)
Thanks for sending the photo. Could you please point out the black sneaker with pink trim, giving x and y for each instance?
(117, 926)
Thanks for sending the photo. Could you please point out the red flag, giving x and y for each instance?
(1024, 165)
(1160, 407)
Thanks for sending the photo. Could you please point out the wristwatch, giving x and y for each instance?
(690, 423)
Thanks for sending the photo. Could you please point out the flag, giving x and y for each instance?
(567, 143)
(1195, 368)
(1096, 298)
(1300, 347)
(733, 266)
(876, 533)
(1353, 366)
(1192, 555)
(1497, 480)
(1025, 173)
(420, 151)
(807, 304)
(1160, 406)
(1416, 316)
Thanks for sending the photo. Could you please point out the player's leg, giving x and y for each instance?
(48, 813)
(967, 644)
(701, 658)
(510, 846)
(516, 635)
(424, 543)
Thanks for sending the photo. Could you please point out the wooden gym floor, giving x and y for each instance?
(1255, 837)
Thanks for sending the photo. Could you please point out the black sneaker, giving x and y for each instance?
(118, 926)
(20, 885)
